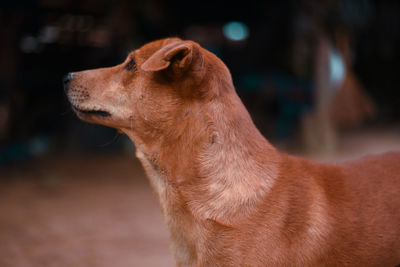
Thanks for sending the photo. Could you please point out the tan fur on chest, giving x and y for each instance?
(176, 217)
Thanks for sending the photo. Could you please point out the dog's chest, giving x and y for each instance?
(156, 177)
(179, 222)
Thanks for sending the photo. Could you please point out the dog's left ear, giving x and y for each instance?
(181, 56)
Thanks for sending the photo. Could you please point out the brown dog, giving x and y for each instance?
(228, 196)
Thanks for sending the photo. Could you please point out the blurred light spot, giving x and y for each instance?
(337, 68)
(49, 34)
(100, 36)
(235, 31)
(39, 145)
(28, 44)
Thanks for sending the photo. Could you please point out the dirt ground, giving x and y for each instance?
(100, 211)
(80, 211)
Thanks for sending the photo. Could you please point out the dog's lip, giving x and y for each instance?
(96, 112)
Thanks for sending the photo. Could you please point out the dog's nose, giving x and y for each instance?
(66, 81)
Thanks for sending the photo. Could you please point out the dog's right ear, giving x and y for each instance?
(181, 56)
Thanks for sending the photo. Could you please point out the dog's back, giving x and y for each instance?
(317, 214)
(364, 209)
(373, 184)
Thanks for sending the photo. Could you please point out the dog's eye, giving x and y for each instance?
(130, 65)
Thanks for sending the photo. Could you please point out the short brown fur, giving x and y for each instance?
(228, 196)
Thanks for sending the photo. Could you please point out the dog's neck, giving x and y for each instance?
(233, 174)
(216, 162)
(213, 168)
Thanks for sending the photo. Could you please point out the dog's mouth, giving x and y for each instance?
(100, 113)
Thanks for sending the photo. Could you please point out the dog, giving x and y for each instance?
(228, 196)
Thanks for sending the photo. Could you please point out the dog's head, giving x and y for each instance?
(177, 103)
(152, 87)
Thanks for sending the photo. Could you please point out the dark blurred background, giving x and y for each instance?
(320, 78)
(271, 48)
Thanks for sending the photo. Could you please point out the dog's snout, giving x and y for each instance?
(66, 80)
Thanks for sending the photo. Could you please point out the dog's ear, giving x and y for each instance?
(181, 56)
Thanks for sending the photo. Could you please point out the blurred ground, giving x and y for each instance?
(100, 211)
(80, 211)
